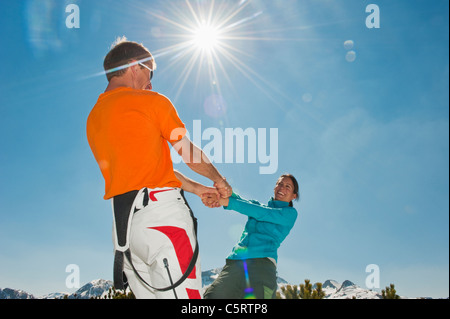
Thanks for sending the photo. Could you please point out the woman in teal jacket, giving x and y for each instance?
(250, 270)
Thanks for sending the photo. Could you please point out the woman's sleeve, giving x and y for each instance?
(280, 216)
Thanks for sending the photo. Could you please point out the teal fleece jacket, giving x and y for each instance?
(265, 230)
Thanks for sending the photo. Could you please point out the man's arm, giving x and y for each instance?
(197, 161)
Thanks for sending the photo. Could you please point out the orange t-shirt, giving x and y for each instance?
(128, 131)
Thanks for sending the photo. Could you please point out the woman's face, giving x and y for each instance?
(284, 190)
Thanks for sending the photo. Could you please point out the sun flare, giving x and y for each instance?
(203, 36)
(206, 37)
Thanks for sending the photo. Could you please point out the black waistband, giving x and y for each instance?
(251, 262)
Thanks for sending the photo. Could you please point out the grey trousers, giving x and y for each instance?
(245, 279)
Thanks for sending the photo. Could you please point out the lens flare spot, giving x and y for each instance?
(248, 292)
(348, 45)
(350, 56)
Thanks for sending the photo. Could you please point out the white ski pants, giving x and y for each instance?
(162, 242)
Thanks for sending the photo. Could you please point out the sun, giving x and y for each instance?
(206, 37)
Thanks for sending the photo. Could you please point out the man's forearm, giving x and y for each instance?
(197, 161)
(188, 184)
(203, 166)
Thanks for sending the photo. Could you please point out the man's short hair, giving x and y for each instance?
(122, 53)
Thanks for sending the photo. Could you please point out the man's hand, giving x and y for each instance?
(213, 200)
(201, 190)
(223, 188)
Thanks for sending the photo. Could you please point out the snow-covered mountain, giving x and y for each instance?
(93, 289)
(347, 290)
(100, 287)
(8, 293)
(209, 276)
(344, 290)
(55, 295)
(331, 284)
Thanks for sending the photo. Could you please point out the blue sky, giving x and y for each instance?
(367, 139)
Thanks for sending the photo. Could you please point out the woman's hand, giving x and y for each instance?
(223, 188)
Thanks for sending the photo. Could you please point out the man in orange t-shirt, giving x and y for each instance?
(128, 131)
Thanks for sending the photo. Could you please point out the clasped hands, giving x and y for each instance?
(218, 195)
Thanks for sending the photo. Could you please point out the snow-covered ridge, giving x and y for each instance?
(344, 290)
(8, 293)
(347, 290)
(93, 289)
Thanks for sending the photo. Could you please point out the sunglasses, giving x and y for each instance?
(151, 71)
